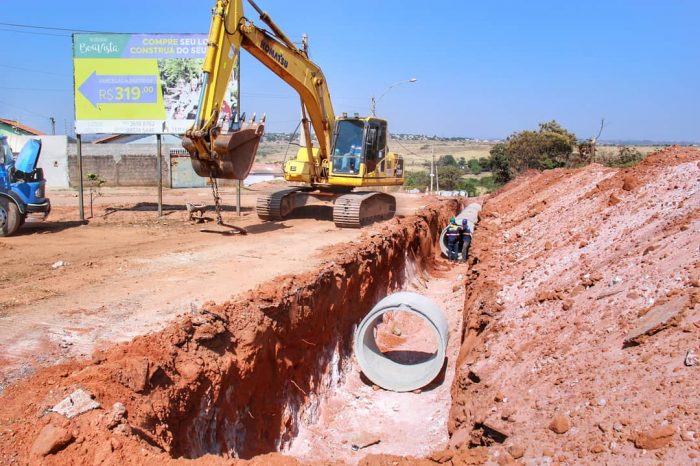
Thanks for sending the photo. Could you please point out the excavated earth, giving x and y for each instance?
(579, 343)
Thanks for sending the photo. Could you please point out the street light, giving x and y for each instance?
(374, 101)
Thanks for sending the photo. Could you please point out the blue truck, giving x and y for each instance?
(22, 187)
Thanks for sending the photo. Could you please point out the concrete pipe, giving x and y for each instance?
(471, 213)
(389, 374)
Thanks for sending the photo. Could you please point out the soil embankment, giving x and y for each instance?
(581, 315)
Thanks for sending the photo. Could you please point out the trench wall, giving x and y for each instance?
(233, 379)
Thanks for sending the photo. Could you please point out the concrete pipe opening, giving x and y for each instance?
(471, 214)
(396, 373)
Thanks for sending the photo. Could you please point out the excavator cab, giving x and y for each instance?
(358, 141)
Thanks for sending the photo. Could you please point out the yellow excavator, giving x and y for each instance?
(352, 151)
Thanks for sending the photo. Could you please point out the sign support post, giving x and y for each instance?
(160, 175)
(80, 177)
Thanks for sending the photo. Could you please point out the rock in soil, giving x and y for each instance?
(50, 440)
(654, 438)
(560, 424)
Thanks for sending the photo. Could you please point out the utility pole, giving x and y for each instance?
(432, 170)
(53, 125)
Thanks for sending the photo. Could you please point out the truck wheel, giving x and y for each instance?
(10, 218)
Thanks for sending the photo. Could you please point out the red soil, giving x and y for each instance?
(555, 367)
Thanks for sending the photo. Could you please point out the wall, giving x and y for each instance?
(121, 164)
(53, 158)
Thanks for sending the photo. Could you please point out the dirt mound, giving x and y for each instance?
(583, 309)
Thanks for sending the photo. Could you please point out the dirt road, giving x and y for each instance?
(67, 288)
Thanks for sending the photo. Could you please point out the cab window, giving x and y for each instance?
(375, 148)
(5, 152)
(347, 151)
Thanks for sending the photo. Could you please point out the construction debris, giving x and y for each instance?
(76, 403)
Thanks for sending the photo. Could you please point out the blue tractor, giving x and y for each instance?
(22, 187)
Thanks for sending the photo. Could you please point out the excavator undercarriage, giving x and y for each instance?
(350, 209)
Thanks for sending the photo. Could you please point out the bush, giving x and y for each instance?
(447, 161)
(500, 164)
(625, 157)
(549, 147)
(416, 179)
(470, 186)
(474, 166)
(449, 177)
(485, 164)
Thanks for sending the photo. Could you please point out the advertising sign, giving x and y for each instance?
(140, 83)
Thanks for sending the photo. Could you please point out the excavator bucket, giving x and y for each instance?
(233, 153)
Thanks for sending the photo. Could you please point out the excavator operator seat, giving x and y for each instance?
(348, 145)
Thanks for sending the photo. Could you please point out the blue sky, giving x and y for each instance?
(484, 69)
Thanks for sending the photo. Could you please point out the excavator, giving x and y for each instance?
(351, 153)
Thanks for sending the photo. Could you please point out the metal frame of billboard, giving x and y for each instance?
(141, 84)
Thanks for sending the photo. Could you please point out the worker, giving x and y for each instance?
(453, 234)
(466, 239)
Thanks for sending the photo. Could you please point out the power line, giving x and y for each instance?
(22, 109)
(32, 71)
(35, 89)
(31, 26)
(34, 33)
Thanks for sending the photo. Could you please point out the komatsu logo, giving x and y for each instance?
(278, 57)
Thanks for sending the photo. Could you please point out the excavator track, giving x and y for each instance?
(356, 210)
(273, 206)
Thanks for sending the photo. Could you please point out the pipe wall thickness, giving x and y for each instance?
(389, 374)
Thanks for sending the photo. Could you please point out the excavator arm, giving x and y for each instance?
(230, 155)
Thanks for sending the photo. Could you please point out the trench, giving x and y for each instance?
(273, 371)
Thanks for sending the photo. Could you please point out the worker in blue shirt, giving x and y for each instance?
(453, 234)
(466, 239)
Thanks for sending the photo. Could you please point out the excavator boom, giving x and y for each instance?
(219, 152)
(352, 151)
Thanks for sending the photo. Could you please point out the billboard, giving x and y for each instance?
(140, 83)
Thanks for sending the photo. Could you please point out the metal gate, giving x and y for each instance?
(182, 174)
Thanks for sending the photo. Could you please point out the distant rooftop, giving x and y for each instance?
(12, 127)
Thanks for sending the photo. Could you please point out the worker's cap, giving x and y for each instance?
(465, 221)
(452, 220)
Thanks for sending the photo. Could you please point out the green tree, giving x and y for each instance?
(474, 166)
(449, 177)
(550, 146)
(470, 186)
(447, 161)
(416, 179)
(500, 164)
(485, 164)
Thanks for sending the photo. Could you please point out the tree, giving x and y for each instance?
(447, 161)
(416, 179)
(474, 166)
(470, 186)
(550, 146)
(95, 182)
(500, 164)
(449, 177)
(485, 164)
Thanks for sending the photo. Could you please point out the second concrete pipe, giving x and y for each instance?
(471, 213)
